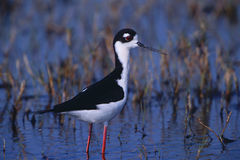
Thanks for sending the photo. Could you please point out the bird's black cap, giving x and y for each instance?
(120, 35)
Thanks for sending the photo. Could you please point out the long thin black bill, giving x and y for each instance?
(152, 49)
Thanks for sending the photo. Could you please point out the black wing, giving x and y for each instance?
(105, 91)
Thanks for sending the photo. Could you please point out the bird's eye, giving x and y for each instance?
(128, 38)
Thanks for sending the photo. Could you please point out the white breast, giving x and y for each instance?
(123, 56)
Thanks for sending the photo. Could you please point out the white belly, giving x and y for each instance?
(104, 113)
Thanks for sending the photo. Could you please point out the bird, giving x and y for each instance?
(103, 100)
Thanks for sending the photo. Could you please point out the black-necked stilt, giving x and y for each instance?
(102, 101)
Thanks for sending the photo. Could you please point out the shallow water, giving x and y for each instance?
(158, 126)
(154, 132)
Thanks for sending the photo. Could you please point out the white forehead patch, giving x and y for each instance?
(126, 35)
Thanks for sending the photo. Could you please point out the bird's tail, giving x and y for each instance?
(43, 111)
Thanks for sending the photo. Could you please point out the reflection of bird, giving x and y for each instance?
(102, 101)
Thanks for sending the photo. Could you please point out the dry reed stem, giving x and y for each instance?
(69, 37)
(226, 124)
(10, 78)
(210, 129)
(20, 93)
(49, 86)
(189, 102)
(29, 70)
(26, 62)
(50, 79)
(4, 145)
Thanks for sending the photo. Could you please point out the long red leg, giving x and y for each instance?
(89, 137)
(103, 156)
(104, 139)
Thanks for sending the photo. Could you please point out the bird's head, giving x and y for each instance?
(127, 38)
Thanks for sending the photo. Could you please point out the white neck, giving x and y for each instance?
(123, 55)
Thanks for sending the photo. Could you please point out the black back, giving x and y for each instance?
(105, 91)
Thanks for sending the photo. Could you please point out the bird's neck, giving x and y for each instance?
(122, 64)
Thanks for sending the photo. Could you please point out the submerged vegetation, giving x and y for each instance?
(50, 50)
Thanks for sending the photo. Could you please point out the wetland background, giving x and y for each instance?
(181, 106)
